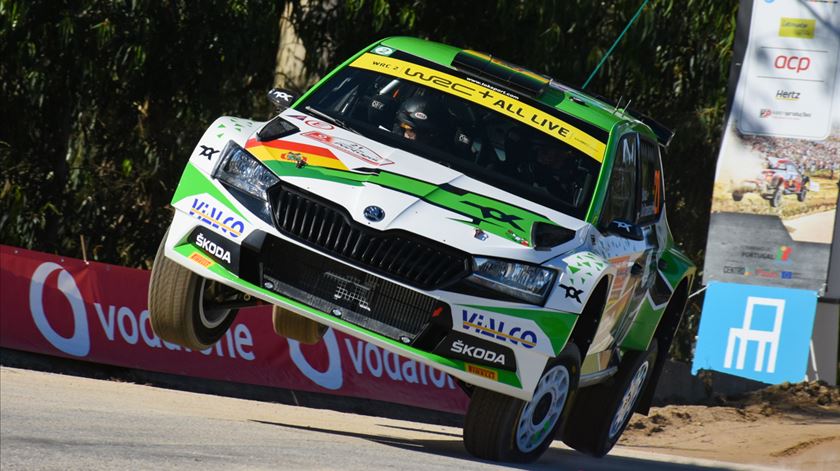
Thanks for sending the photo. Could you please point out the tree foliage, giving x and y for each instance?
(103, 101)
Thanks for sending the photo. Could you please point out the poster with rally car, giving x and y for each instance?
(776, 186)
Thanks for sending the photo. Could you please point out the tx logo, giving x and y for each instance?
(493, 213)
(572, 292)
(624, 226)
(207, 152)
(281, 95)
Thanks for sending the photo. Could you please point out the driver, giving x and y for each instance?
(421, 119)
(554, 169)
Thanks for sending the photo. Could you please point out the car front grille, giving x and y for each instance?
(405, 257)
(353, 295)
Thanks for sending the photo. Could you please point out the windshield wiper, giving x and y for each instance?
(331, 119)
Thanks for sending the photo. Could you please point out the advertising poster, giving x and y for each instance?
(98, 312)
(776, 186)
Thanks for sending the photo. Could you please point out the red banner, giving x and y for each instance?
(98, 312)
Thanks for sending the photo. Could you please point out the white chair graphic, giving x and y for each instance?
(745, 334)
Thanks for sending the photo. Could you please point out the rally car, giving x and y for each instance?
(781, 177)
(457, 210)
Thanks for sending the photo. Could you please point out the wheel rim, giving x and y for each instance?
(541, 414)
(211, 296)
(628, 402)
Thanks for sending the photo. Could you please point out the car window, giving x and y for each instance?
(478, 141)
(650, 181)
(621, 192)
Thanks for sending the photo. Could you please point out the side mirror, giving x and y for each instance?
(281, 99)
(625, 229)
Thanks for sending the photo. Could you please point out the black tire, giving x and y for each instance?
(601, 412)
(182, 305)
(501, 428)
(296, 327)
(801, 195)
(776, 198)
(737, 195)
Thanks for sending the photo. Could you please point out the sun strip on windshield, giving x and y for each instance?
(486, 97)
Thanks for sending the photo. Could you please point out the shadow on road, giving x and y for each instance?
(553, 458)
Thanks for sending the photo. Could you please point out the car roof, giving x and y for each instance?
(581, 105)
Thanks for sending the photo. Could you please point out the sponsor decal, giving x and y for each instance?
(783, 253)
(801, 28)
(787, 95)
(281, 95)
(777, 114)
(572, 292)
(484, 372)
(734, 270)
(119, 323)
(355, 149)
(312, 122)
(217, 218)
(207, 152)
(477, 353)
(480, 234)
(211, 248)
(477, 350)
(219, 248)
(201, 260)
(487, 324)
(486, 97)
(795, 63)
(488, 214)
(97, 312)
(382, 50)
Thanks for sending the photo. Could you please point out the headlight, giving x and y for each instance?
(241, 170)
(527, 282)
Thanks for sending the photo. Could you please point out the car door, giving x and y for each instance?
(643, 270)
(622, 203)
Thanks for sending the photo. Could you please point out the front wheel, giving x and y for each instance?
(601, 412)
(188, 309)
(502, 428)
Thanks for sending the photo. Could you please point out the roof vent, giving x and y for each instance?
(501, 72)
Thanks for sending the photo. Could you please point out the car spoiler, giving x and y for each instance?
(663, 133)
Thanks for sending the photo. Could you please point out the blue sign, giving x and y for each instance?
(758, 332)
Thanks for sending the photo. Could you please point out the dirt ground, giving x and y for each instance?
(793, 426)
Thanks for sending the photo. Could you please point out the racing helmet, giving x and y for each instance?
(424, 116)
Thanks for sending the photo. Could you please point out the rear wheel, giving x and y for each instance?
(501, 428)
(737, 195)
(188, 309)
(601, 412)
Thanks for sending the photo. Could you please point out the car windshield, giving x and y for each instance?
(483, 142)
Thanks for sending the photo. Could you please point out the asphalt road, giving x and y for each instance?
(52, 421)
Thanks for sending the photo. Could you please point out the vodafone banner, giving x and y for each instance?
(97, 312)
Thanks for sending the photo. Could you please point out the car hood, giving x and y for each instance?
(387, 188)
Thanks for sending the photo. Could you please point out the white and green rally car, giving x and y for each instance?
(457, 210)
